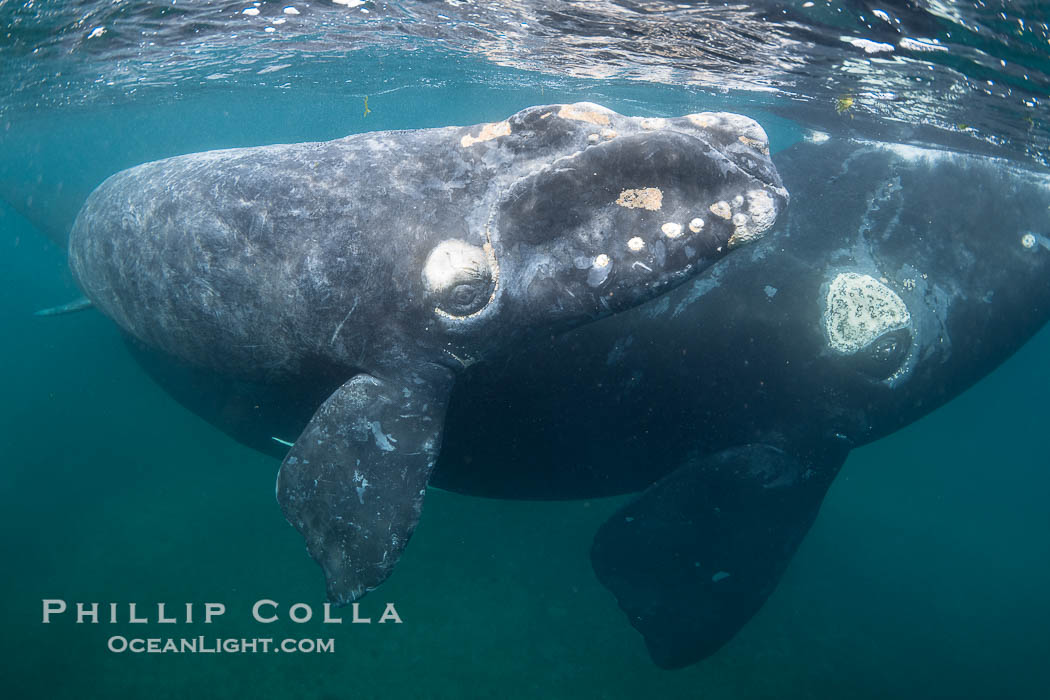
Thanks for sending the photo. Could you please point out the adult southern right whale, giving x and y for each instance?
(898, 278)
(381, 264)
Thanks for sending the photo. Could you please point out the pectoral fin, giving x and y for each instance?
(695, 555)
(353, 483)
(79, 304)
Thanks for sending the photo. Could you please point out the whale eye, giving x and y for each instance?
(885, 350)
(463, 295)
(460, 278)
(884, 356)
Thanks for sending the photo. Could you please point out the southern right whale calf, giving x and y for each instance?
(379, 266)
(898, 278)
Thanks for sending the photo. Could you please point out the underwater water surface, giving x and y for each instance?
(925, 575)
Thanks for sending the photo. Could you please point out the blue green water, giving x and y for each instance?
(925, 576)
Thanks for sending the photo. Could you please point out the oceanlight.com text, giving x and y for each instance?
(218, 645)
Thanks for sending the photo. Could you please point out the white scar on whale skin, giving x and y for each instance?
(338, 328)
(362, 486)
(383, 440)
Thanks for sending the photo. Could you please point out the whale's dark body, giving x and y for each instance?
(898, 278)
(366, 272)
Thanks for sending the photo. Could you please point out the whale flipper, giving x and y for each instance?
(353, 484)
(78, 304)
(695, 555)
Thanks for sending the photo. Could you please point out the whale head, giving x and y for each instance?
(621, 210)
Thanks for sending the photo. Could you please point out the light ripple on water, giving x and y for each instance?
(976, 73)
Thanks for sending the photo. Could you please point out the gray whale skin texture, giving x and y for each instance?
(383, 264)
(898, 277)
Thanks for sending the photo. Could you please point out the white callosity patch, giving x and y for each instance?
(651, 198)
(762, 209)
(487, 133)
(696, 224)
(636, 244)
(746, 130)
(586, 112)
(761, 212)
(653, 123)
(745, 126)
(1028, 240)
(601, 261)
(859, 309)
(721, 210)
(671, 229)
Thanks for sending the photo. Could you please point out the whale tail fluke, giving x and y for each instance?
(72, 307)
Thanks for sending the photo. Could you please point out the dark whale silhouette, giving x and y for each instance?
(380, 265)
(898, 278)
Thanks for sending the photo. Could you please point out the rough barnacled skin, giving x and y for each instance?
(380, 264)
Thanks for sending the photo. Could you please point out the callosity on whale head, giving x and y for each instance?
(622, 215)
(379, 264)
